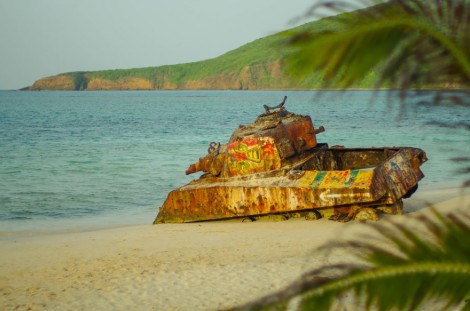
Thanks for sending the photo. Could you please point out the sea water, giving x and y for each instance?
(79, 160)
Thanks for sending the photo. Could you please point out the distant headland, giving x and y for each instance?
(254, 66)
(257, 65)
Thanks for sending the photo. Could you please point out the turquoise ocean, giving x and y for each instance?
(87, 160)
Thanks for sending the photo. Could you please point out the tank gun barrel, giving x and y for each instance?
(212, 162)
(193, 168)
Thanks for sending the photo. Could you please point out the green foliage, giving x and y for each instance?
(398, 267)
(411, 43)
(400, 44)
(261, 52)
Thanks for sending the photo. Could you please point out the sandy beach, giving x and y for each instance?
(200, 266)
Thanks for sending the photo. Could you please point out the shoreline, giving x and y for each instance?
(434, 193)
(196, 266)
(431, 89)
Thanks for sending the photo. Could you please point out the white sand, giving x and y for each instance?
(205, 266)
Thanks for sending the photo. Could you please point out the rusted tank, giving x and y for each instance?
(275, 168)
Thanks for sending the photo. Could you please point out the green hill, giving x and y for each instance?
(256, 65)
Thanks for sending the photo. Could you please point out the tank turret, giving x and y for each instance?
(267, 144)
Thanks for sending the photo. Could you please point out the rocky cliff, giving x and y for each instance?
(253, 66)
(60, 82)
(261, 75)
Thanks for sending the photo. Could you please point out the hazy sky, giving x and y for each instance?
(47, 37)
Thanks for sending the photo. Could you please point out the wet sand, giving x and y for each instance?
(202, 266)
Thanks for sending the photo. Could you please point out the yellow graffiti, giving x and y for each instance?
(241, 167)
(335, 179)
(363, 179)
(239, 148)
(306, 180)
(252, 155)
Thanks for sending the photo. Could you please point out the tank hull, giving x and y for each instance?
(339, 183)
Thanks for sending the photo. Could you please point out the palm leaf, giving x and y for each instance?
(414, 267)
(410, 44)
(403, 287)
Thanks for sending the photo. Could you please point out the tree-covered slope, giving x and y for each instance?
(256, 65)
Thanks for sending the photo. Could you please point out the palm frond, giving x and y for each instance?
(403, 286)
(397, 267)
(409, 43)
